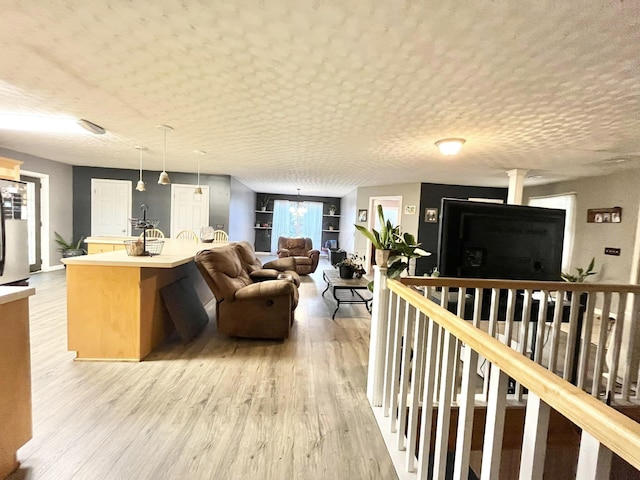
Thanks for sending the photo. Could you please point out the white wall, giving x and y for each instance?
(348, 216)
(242, 205)
(616, 190)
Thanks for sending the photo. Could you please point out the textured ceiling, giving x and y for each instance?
(328, 95)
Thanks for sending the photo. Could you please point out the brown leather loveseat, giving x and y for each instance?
(302, 250)
(252, 300)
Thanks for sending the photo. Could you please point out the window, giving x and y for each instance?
(566, 202)
(291, 221)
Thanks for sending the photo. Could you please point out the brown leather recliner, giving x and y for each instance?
(260, 308)
(302, 250)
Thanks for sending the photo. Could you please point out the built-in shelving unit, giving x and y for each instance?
(263, 224)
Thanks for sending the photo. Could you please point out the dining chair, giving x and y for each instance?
(187, 235)
(220, 236)
(152, 233)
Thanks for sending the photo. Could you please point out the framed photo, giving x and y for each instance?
(604, 215)
(431, 215)
(410, 210)
(362, 215)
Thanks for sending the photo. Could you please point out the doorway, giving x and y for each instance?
(110, 207)
(34, 221)
(188, 211)
(391, 209)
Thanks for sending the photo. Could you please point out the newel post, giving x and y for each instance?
(378, 337)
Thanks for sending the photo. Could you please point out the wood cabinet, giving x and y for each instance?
(15, 375)
(9, 168)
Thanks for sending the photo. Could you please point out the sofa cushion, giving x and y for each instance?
(226, 270)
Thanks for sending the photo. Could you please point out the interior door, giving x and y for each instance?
(110, 207)
(188, 211)
(34, 222)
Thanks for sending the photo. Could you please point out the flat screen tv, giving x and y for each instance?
(497, 241)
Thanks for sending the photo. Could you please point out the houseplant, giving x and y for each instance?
(350, 266)
(579, 278)
(332, 209)
(264, 202)
(69, 249)
(582, 273)
(393, 248)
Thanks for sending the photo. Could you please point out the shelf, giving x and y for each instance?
(330, 215)
(332, 231)
(264, 211)
(262, 228)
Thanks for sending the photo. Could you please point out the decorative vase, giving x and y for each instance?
(382, 257)
(263, 209)
(346, 272)
(332, 212)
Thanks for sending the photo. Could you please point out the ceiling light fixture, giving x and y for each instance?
(450, 146)
(163, 179)
(140, 186)
(299, 209)
(91, 127)
(198, 190)
(47, 124)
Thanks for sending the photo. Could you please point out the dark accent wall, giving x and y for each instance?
(431, 195)
(263, 237)
(156, 197)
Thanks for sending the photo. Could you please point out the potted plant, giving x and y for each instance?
(264, 202)
(582, 273)
(332, 209)
(69, 249)
(580, 277)
(350, 266)
(393, 248)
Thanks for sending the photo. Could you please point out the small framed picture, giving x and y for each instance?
(410, 210)
(362, 215)
(431, 215)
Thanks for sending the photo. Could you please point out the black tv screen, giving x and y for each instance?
(497, 241)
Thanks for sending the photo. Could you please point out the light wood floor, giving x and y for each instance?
(217, 408)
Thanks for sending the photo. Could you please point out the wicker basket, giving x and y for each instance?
(135, 248)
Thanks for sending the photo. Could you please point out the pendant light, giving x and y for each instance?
(299, 208)
(140, 186)
(198, 190)
(163, 179)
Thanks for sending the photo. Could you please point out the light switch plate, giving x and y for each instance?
(612, 251)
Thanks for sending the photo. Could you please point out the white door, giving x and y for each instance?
(110, 207)
(188, 211)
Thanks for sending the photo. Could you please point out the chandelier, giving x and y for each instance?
(298, 209)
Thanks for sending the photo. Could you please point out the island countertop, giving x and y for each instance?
(11, 294)
(174, 253)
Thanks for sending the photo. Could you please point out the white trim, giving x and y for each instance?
(45, 238)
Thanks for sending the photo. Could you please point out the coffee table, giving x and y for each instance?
(347, 290)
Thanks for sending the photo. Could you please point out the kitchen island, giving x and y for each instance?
(114, 306)
(15, 375)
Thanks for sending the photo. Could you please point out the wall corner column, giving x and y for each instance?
(516, 185)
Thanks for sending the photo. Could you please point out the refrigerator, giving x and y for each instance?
(14, 235)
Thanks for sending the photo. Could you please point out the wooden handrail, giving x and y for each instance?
(611, 428)
(518, 284)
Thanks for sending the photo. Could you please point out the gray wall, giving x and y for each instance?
(616, 190)
(60, 199)
(410, 193)
(241, 212)
(156, 197)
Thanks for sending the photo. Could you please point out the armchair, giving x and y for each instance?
(246, 307)
(301, 249)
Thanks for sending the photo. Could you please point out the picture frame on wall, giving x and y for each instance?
(604, 215)
(431, 215)
(362, 215)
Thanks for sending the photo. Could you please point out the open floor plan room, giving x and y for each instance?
(215, 408)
